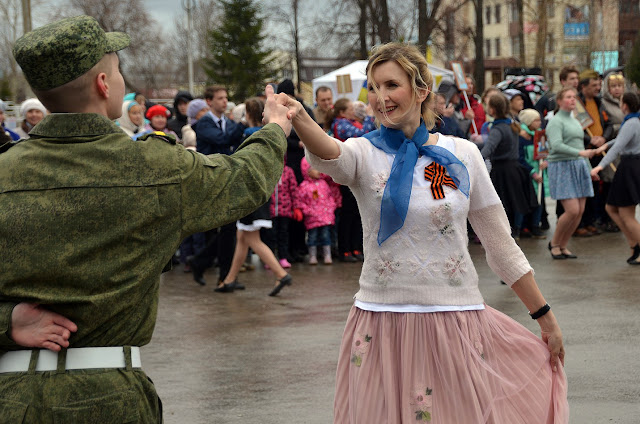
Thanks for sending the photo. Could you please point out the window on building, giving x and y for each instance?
(318, 72)
(515, 47)
(498, 50)
(496, 77)
(487, 15)
(551, 9)
(551, 43)
(498, 13)
(487, 48)
(624, 6)
(515, 14)
(630, 6)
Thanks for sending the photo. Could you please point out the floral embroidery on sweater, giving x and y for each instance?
(360, 348)
(441, 222)
(386, 269)
(422, 403)
(380, 182)
(454, 267)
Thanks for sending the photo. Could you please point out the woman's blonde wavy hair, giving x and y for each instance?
(415, 65)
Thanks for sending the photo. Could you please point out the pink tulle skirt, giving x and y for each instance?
(466, 367)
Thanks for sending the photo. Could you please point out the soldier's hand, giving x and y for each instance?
(34, 326)
(277, 111)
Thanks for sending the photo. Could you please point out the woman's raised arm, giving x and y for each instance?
(310, 133)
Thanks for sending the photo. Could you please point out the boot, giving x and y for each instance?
(326, 250)
(313, 255)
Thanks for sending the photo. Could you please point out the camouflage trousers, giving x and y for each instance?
(95, 396)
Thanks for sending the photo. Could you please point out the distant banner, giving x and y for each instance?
(579, 31)
(540, 148)
(344, 84)
(576, 22)
(458, 74)
(582, 115)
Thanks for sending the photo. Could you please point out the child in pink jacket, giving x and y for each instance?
(315, 202)
(281, 213)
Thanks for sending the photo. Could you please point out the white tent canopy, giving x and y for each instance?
(356, 71)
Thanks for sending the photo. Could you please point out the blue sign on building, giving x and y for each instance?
(578, 30)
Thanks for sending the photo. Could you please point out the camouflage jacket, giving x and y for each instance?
(88, 219)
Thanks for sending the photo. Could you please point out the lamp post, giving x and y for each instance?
(26, 15)
(188, 6)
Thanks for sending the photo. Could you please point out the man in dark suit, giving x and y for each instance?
(215, 133)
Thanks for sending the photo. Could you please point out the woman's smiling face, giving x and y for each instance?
(394, 103)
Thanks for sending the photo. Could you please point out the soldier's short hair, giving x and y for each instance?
(75, 94)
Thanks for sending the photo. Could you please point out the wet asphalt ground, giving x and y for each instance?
(244, 357)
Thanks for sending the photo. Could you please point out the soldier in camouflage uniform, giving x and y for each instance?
(89, 218)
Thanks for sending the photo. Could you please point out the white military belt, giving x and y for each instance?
(77, 359)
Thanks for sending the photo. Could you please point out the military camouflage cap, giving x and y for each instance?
(55, 54)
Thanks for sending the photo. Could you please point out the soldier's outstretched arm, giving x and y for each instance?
(219, 189)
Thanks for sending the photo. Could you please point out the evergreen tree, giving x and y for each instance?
(238, 60)
(632, 68)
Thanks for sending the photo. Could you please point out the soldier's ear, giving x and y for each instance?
(101, 85)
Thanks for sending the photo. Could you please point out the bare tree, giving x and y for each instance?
(478, 38)
(10, 30)
(9, 33)
(296, 40)
(519, 5)
(205, 18)
(540, 59)
(380, 13)
(374, 22)
(363, 6)
(426, 21)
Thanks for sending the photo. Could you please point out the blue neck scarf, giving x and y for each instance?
(397, 192)
(629, 116)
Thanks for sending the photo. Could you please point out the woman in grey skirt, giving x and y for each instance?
(624, 195)
(569, 179)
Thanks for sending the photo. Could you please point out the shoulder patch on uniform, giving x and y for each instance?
(168, 138)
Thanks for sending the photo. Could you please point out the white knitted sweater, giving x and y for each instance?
(427, 261)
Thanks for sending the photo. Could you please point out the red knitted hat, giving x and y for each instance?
(157, 110)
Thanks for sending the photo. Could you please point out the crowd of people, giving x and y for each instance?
(310, 217)
(394, 178)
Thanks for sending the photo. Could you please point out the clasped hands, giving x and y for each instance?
(596, 170)
(280, 109)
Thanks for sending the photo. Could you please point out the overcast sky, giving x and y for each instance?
(164, 11)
